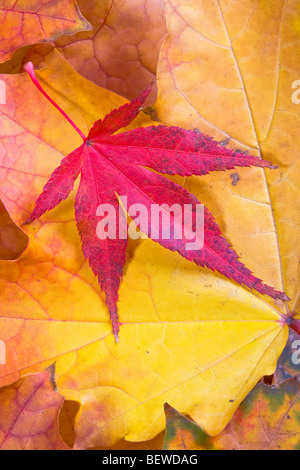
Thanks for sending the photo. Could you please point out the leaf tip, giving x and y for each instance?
(167, 407)
(116, 329)
(27, 222)
(224, 142)
(284, 297)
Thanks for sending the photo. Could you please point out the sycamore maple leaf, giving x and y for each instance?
(118, 165)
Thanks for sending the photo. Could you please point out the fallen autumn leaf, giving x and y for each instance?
(30, 422)
(23, 24)
(115, 165)
(268, 419)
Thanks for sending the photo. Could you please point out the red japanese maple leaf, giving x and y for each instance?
(113, 166)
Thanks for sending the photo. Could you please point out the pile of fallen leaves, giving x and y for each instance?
(208, 347)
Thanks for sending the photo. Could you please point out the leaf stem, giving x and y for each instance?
(30, 70)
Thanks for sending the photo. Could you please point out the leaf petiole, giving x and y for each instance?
(29, 68)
